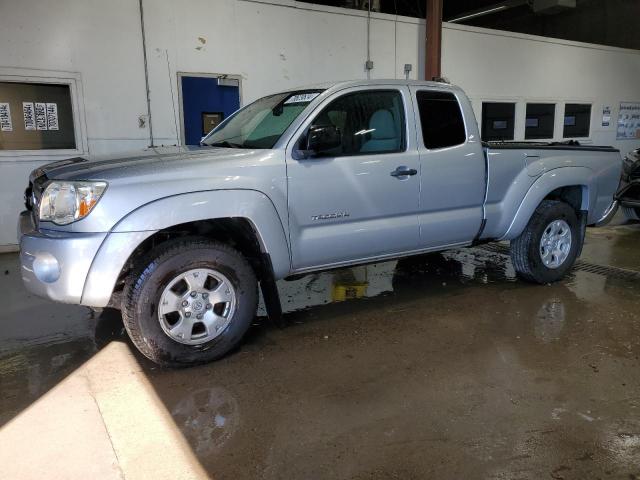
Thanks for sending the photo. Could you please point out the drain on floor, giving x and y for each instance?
(580, 265)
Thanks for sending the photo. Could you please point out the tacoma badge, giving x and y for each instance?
(330, 216)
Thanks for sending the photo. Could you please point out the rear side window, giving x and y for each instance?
(441, 119)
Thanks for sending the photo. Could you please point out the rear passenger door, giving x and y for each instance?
(452, 168)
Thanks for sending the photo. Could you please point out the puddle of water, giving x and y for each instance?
(431, 274)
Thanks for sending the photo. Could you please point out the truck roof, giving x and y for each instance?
(339, 85)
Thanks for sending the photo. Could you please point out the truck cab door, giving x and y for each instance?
(452, 164)
(358, 201)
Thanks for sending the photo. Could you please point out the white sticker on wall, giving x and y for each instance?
(5, 118)
(606, 115)
(52, 116)
(302, 97)
(29, 116)
(41, 116)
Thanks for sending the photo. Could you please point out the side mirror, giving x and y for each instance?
(322, 138)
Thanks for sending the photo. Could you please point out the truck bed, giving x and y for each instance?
(520, 170)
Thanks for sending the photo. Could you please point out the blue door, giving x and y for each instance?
(204, 105)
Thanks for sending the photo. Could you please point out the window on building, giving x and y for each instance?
(577, 120)
(498, 120)
(370, 122)
(36, 116)
(539, 121)
(441, 119)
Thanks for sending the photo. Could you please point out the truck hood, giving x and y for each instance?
(156, 163)
(134, 180)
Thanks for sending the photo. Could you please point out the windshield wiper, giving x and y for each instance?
(225, 144)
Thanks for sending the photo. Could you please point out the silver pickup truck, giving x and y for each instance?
(180, 238)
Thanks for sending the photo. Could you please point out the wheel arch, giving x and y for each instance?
(245, 219)
(572, 185)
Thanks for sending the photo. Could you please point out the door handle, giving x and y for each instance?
(403, 172)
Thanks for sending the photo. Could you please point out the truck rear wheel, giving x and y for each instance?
(547, 248)
(189, 301)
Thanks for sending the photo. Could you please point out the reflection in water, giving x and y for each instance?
(437, 270)
(550, 320)
(208, 417)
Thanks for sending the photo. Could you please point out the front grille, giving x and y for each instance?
(28, 197)
(33, 193)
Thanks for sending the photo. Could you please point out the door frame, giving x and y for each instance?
(204, 75)
(411, 148)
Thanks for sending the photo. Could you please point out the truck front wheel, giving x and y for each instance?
(189, 301)
(547, 248)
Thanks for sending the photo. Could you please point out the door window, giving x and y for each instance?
(441, 119)
(370, 122)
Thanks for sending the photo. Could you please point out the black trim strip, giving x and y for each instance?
(547, 146)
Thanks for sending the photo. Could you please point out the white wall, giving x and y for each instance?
(272, 47)
(506, 66)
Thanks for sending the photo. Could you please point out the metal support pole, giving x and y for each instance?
(433, 47)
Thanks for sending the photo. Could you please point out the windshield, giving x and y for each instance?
(261, 123)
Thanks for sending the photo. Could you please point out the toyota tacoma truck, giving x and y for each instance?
(181, 238)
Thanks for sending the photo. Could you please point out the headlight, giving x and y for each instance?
(65, 202)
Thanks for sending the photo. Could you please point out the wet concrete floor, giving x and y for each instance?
(447, 367)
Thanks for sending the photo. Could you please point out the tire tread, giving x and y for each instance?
(522, 245)
(144, 268)
(631, 213)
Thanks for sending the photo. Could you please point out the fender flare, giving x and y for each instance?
(144, 221)
(543, 186)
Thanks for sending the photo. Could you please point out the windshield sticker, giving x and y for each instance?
(302, 98)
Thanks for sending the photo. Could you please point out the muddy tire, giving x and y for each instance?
(189, 301)
(631, 213)
(547, 248)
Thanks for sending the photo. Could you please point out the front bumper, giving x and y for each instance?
(55, 264)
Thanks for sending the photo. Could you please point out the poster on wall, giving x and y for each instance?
(41, 116)
(606, 116)
(29, 116)
(5, 118)
(628, 121)
(52, 116)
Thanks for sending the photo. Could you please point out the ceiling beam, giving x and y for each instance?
(488, 10)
